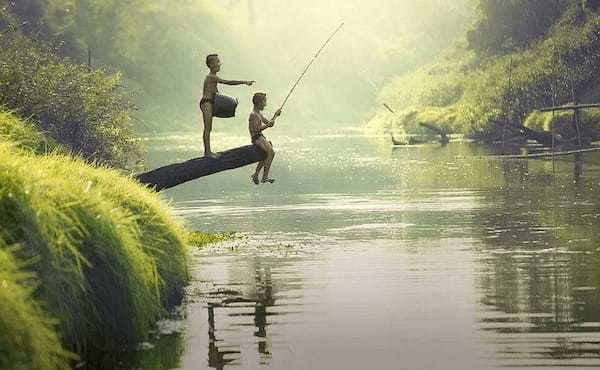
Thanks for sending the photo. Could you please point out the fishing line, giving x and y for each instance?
(309, 64)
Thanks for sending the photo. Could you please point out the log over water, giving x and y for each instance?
(175, 174)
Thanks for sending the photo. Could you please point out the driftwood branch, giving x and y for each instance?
(179, 173)
(569, 107)
(542, 137)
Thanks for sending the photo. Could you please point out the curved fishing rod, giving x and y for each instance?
(309, 64)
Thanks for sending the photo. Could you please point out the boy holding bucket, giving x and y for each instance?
(209, 96)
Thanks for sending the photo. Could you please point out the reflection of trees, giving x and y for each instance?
(541, 271)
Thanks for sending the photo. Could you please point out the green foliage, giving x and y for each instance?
(85, 110)
(108, 256)
(28, 338)
(464, 91)
(562, 122)
(504, 25)
(158, 45)
(24, 135)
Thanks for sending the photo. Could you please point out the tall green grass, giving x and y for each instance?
(104, 251)
(24, 134)
(28, 338)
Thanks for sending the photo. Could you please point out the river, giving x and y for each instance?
(361, 256)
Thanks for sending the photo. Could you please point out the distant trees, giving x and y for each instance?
(505, 25)
(157, 44)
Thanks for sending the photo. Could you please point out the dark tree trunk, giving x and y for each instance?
(179, 173)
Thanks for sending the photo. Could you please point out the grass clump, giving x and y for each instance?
(28, 339)
(200, 239)
(109, 258)
(24, 135)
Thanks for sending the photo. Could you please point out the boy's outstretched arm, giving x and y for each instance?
(234, 82)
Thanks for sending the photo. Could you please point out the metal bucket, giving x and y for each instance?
(224, 106)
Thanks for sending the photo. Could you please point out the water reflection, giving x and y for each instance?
(539, 275)
(417, 258)
(241, 303)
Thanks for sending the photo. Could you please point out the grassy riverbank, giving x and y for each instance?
(469, 87)
(88, 255)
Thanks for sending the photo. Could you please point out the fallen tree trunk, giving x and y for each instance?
(175, 174)
(542, 137)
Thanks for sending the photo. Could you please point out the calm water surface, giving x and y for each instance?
(361, 256)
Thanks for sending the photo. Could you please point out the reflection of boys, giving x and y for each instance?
(256, 124)
(208, 98)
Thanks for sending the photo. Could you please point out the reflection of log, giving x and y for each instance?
(542, 137)
(443, 137)
(175, 174)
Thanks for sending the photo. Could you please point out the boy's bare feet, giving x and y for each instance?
(267, 181)
(212, 155)
(255, 179)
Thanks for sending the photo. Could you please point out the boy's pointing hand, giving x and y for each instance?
(250, 83)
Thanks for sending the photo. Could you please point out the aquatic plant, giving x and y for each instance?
(200, 239)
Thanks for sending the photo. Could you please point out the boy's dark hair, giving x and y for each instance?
(210, 58)
(259, 96)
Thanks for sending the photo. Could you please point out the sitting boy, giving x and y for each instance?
(256, 124)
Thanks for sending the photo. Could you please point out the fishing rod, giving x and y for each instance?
(309, 64)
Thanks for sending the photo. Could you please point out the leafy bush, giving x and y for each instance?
(85, 110)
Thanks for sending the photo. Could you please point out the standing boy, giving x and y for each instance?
(256, 124)
(208, 98)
